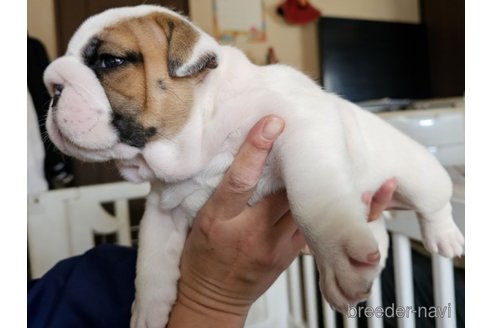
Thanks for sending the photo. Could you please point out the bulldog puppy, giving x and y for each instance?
(144, 86)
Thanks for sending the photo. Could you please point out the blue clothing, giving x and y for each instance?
(92, 290)
(96, 290)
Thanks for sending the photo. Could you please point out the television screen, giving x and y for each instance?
(367, 60)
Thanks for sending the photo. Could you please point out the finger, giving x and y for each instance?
(366, 198)
(232, 195)
(285, 226)
(299, 243)
(290, 248)
(305, 250)
(381, 199)
(286, 235)
(271, 209)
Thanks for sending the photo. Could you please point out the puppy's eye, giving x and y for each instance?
(109, 61)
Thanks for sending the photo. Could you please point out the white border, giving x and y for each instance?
(478, 97)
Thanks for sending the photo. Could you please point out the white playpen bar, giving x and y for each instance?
(71, 217)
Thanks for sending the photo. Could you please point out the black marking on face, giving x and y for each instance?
(161, 84)
(211, 61)
(173, 66)
(150, 132)
(101, 63)
(89, 53)
(134, 57)
(130, 131)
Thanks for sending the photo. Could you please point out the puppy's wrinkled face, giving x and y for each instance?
(130, 60)
(132, 82)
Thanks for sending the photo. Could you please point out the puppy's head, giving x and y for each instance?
(127, 79)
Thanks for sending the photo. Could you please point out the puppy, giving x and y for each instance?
(145, 87)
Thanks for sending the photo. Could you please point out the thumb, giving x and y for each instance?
(233, 193)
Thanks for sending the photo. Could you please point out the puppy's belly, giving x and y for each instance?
(192, 194)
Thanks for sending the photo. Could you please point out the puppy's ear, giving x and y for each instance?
(190, 50)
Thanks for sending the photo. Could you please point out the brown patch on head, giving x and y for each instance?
(136, 62)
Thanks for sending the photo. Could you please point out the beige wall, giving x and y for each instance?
(41, 23)
(297, 45)
(294, 45)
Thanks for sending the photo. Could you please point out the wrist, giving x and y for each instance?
(205, 307)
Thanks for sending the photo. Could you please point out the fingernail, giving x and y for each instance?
(272, 128)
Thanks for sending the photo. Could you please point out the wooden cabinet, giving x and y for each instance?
(71, 13)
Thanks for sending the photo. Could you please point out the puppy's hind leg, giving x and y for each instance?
(329, 210)
(440, 233)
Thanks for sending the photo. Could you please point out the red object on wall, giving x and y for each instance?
(271, 56)
(298, 11)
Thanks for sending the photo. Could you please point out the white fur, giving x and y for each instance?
(329, 154)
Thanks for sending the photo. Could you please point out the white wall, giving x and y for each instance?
(298, 45)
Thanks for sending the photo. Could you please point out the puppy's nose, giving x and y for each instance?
(56, 94)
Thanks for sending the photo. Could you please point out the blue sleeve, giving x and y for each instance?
(92, 290)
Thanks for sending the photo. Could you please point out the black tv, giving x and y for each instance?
(366, 60)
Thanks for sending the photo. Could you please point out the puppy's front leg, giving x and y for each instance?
(161, 241)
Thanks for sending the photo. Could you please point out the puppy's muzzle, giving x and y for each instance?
(80, 111)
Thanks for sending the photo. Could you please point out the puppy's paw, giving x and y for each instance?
(440, 234)
(443, 237)
(150, 313)
(347, 274)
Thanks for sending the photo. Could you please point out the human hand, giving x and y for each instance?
(380, 200)
(234, 252)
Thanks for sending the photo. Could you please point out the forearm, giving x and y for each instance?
(193, 309)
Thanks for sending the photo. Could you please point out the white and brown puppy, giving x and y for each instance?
(144, 86)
